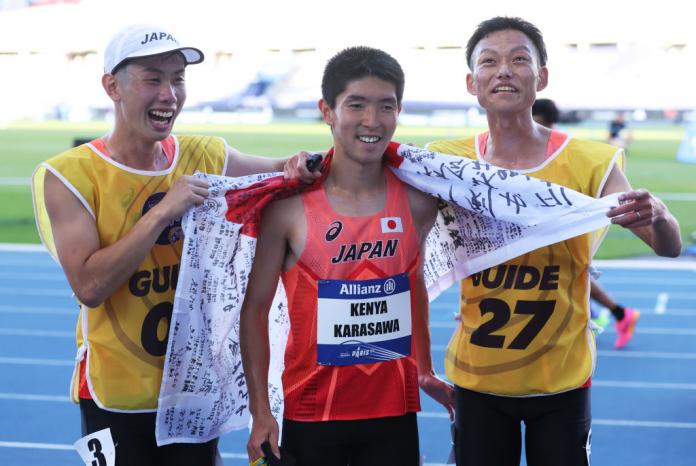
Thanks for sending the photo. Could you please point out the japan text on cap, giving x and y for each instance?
(144, 41)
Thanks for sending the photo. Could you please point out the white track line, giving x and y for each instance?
(18, 247)
(689, 295)
(673, 311)
(661, 303)
(643, 385)
(28, 397)
(602, 422)
(619, 354)
(658, 331)
(663, 281)
(610, 329)
(691, 312)
(5, 309)
(56, 276)
(636, 385)
(653, 264)
(59, 446)
(34, 292)
(26, 262)
(237, 456)
(436, 348)
(646, 354)
(21, 332)
(658, 424)
(37, 362)
(36, 446)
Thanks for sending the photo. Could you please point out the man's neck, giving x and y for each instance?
(136, 153)
(516, 142)
(354, 188)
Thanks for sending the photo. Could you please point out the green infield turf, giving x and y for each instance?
(651, 164)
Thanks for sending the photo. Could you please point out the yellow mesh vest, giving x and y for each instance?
(525, 322)
(125, 338)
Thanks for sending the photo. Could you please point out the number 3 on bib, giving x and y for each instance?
(97, 448)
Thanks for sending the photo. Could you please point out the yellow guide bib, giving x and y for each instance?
(125, 338)
(524, 324)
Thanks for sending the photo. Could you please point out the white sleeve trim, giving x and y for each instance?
(612, 164)
(72, 189)
(227, 156)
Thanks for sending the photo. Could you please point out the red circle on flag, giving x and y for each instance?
(391, 224)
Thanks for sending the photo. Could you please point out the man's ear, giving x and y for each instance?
(327, 112)
(111, 86)
(543, 78)
(470, 84)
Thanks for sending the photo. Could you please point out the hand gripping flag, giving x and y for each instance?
(487, 215)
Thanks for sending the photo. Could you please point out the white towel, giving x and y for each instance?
(489, 215)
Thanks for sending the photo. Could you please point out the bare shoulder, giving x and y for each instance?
(284, 208)
(423, 208)
(616, 182)
(283, 230)
(280, 218)
(420, 200)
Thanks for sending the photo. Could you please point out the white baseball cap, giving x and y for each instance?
(144, 40)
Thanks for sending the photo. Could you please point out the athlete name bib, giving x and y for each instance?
(363, 321)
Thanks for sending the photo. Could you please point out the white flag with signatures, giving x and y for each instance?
(488, 215)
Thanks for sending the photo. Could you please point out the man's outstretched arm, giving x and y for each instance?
(644, 214)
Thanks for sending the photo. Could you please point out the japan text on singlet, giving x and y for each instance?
(525, 323)
(125, 338)
(350, 354)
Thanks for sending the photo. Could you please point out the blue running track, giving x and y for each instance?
(644, 397)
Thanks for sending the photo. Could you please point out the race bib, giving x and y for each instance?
(363, 321)
(97, 448)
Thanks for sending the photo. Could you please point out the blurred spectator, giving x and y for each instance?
(619, 134)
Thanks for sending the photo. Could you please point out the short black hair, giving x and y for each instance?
(546, 108)
(502, 23)
(356, 63)
(124, 63)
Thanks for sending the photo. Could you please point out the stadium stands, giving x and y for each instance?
(598, 68)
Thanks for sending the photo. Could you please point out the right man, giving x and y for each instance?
(525, 353)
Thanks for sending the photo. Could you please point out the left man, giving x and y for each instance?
(110, 211)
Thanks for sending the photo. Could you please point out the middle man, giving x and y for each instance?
(350, 257)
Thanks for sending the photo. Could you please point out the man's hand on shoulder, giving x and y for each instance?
(303, 165)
